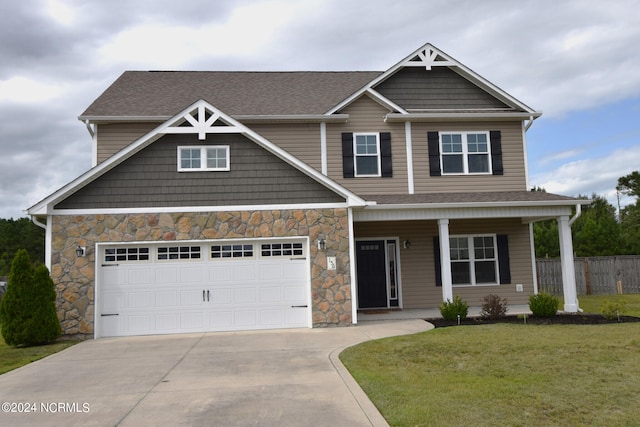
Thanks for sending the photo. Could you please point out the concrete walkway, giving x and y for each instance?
(263, 378)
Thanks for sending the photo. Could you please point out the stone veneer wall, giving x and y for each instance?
(75, 277)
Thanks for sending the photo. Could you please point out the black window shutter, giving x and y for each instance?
(436, 259)
(503, 259)
(433, 139)
(496, 152)
(385, 152)
(347, 155)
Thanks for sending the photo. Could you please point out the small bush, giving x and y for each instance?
(450, 310)
(493, 307)
(611, 309)
(543, 304)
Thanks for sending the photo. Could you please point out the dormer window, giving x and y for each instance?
(203, 158)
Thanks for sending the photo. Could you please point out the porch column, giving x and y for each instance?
(445, 260)
(566, 262)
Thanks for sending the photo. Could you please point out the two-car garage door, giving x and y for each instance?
(202, 286)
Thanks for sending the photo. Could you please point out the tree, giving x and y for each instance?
(630, 184)
(20, 234)
(597, 232)
(27, 311)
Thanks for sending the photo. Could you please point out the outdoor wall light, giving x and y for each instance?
(406, 244)
(81, 251)
(322, 244)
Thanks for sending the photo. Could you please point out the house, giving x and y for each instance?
(258, 200)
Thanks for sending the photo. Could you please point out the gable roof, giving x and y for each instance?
(159, 94)
(427, 57)
(200, 118)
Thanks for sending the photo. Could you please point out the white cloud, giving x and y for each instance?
(592, 175)
(26, 90)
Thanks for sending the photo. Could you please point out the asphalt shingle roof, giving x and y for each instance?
(165, 93)
(477, 197)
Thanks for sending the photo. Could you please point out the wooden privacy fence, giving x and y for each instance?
(594, 275)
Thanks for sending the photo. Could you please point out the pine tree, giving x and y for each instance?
(28, 312)
(43, 326)
(13, 312)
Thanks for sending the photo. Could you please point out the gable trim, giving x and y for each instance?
(45, 206)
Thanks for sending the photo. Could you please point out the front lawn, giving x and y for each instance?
(504, 374)
(12, 357)
(592, 303)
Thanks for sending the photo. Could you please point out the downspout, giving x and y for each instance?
(34, 219)
(571, 221)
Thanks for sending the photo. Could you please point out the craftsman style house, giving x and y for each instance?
(258, 200)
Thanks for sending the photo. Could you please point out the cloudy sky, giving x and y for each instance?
(576, 60)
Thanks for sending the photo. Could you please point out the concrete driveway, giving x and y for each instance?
(265, 378)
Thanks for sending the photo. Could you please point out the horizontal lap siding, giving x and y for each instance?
(300, 140)
(418, 264)
(366, 115)
(514, 178)
(113, 137)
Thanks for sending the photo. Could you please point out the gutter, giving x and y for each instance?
(577, 215)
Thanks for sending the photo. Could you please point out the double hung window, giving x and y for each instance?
(367, 154)
(474, 260)
(203, 158)
(465, 153)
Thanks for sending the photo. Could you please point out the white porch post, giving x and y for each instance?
(445, 260)
(566, 261)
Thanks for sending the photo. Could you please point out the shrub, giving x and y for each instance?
(611, 309)
(493, 307)
(28, 312)
(543, 304)
(450, 310)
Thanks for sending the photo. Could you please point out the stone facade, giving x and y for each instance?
(75, 277)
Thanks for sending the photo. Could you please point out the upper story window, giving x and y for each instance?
(203, 158)
(366, 148)
(366, 155)
(465, 153)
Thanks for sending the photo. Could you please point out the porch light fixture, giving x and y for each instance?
(322, 244)
(81, 251)
(406, 244)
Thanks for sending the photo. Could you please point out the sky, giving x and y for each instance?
(577, 61)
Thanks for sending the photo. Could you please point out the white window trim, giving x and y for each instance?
(203, 158)
(472, 259)
(356, 155)
(465, 152)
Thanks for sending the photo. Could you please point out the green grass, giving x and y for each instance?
(502, 374)
(15, 357)
(592, 303)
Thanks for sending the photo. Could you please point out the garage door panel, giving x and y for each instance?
(143, 299)
(247, 290)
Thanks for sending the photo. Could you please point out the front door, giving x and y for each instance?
(372, 274)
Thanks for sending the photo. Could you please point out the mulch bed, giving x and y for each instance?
(559, 319)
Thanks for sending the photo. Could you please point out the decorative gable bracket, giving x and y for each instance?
(429, 57)
(205, 121)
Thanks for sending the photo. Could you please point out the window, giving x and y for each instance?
(231, 251)
(367, 154)
(465, 153)
(126, 254)
(473, 260)
(166, 253)
(204, 158)
(281, 249)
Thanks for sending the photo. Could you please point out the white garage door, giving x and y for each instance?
(198, 286)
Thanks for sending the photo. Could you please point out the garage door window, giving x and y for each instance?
(231, 251)
(126, 254)
(178, 252)
(281, 249)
